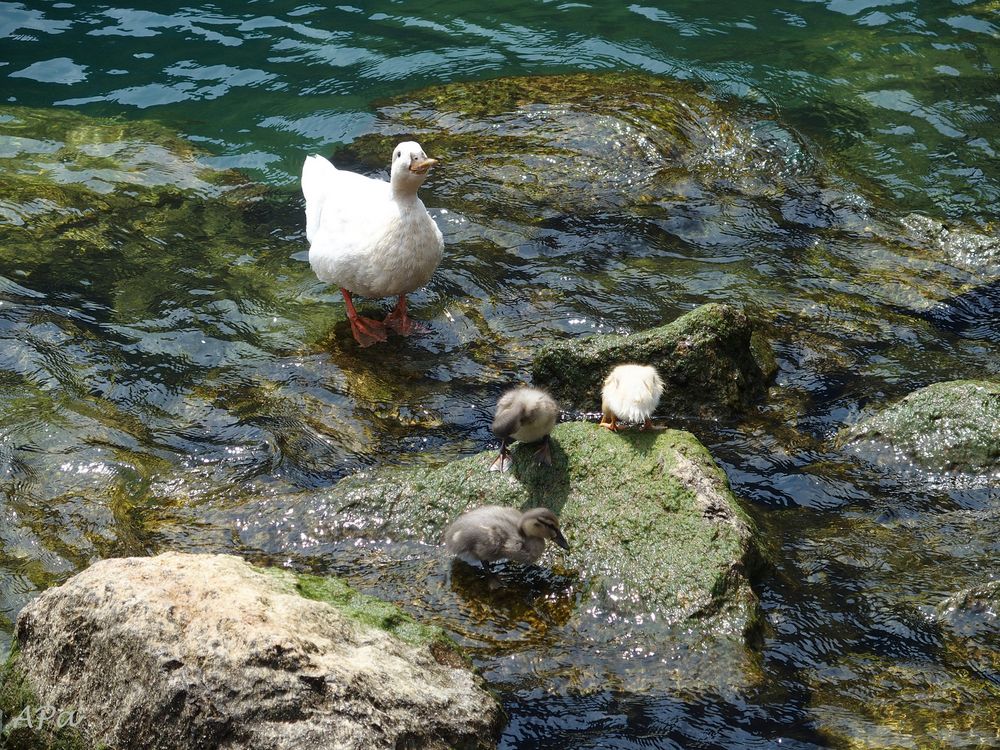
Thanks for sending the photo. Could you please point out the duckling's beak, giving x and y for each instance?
(560, 540)
(420, 166)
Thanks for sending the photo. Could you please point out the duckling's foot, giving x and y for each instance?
(503, 463)
(544, 454)
(402, 323)
(610, 421)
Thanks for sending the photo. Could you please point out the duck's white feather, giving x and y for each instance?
(632, 392)
(365, 236)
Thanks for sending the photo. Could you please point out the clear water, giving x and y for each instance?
(154, 393)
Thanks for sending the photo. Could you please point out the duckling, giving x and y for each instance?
(493, 532)
(372, 237)
(630, 393)
(526, 415)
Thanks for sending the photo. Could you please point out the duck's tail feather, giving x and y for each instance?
(316, 172)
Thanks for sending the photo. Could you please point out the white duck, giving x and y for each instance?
(372, 237)
(494, 532)
(631, 393)
(526, 415)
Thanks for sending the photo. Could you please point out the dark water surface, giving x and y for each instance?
(149, 390)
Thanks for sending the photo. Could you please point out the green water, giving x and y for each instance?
(171, 372)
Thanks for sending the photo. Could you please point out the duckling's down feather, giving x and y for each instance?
(525, 414)
(492, 533)
(632, 392)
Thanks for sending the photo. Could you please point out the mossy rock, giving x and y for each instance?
(711, 363)
(954, 425)
(651, 521)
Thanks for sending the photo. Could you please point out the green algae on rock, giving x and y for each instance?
(954, 425)
(711, 363)
(366, 610)
(184, 650)
(651, 521)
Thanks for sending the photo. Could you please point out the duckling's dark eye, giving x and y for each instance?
(398, 154)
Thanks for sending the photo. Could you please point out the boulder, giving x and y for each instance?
(652, 524)
(193, 651)
(953, 425)
(709, 359)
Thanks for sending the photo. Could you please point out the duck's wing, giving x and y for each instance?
(336, 193)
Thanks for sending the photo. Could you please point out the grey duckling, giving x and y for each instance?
(493, 532)
(526, 415)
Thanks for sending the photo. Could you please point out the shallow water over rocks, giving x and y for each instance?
(172, 370)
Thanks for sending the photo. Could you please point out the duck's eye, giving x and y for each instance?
(398, 154)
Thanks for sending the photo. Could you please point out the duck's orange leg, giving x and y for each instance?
(366, 331)
(400, 322)
(610, 421)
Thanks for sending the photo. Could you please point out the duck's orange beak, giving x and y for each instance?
(421, 166)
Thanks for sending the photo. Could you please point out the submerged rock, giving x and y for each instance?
(881, 702)
(953, 425)
(651, 521)
(188, 651)
(708, 359)
(549, 145)
(971, 314)
(970, 621)
(960, 245)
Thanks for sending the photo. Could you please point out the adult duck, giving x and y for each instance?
(372, 237)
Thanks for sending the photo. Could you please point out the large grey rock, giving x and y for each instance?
(207, 651)
(953, 425)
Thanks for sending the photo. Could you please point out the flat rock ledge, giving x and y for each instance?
(949, 426)
(712, 363)
(207, 651)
